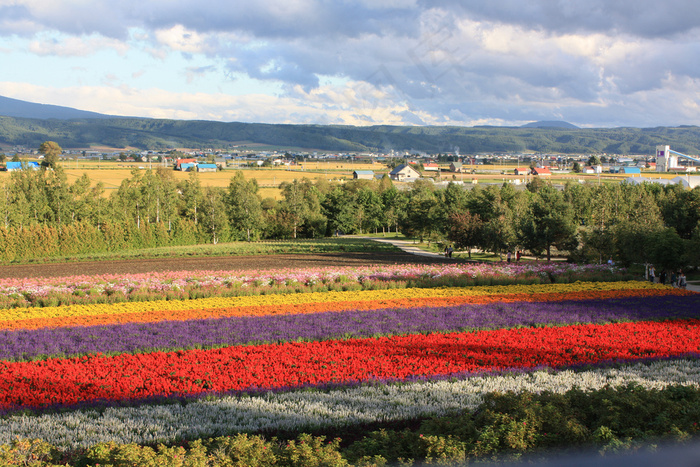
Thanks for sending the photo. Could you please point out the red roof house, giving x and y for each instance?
(541, 171)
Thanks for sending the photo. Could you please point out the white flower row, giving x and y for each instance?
(304, 410)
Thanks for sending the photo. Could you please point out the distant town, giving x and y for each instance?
(401, 166)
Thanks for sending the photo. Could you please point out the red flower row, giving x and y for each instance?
(68, 381)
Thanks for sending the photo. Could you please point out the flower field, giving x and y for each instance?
(168, 369)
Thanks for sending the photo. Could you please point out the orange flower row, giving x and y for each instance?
(304, 308)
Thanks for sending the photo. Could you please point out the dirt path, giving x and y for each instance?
(213, 263)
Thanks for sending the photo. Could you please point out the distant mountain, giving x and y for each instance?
(549, 124)
(28, 125)
(22, 109)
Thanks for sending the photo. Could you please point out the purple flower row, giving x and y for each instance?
(171, 335)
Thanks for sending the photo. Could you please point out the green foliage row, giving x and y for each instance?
(37, 241)
(144, 133)
(84, 241)
(505, 427)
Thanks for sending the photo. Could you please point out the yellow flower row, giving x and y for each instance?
(307, 298)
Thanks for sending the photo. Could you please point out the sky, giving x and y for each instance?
(593, 63)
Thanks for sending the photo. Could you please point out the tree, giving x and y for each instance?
(370, 209)
(421, 217)
(51, 151)
(464, 230)
(549, 223)
(692, 251)
(129, 198)
(244, 205)
(191, 197)
(294, 205)
(166, 197)
(58, 196)
(393, 203)
(593, 160)
(29, 197)
(339, 207)
(214, 220)
(681, 209)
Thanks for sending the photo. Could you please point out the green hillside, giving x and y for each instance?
(144, 133)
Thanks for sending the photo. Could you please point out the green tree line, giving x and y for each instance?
(147, 133)
(42, 214)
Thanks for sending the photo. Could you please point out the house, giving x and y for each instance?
(404, 173)
(363, 175)
(178, 164)
(456, 167)
(187, 166)
(521, 171)
(431, 167)
(20, 165)
(631, 170)
(207, 168)
(541, 171)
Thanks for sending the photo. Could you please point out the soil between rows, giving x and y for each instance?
(213, 263)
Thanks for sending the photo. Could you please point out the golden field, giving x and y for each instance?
(111, 174)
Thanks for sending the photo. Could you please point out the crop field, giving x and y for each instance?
(176, 357)
(111, 174)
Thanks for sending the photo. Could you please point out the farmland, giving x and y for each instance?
(111, 174)
(188, 364)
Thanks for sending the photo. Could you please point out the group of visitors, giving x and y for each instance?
(677, 280)
(448, 251)
(509, 256)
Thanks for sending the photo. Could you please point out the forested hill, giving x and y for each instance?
(144, 133)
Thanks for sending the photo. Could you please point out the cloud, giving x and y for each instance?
(178, 38)
(75, 46)
(391, 61)
(640, 18)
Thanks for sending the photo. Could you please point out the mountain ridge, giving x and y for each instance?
(87, 129)
(17, 108)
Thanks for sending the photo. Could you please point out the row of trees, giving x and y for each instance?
(632, 223)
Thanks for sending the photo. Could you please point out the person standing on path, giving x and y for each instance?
(652, 273)
(508, 256)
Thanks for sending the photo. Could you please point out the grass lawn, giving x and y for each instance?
(299, 246)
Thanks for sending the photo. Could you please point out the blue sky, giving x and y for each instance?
(598, 63)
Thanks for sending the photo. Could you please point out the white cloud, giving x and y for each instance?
(180, 39)
(70, 46)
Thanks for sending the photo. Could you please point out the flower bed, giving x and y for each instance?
(123, 312)
(158, 371)
(289, 365)
(186, 285)
(141, 337)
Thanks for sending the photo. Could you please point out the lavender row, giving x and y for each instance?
(171, 335)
